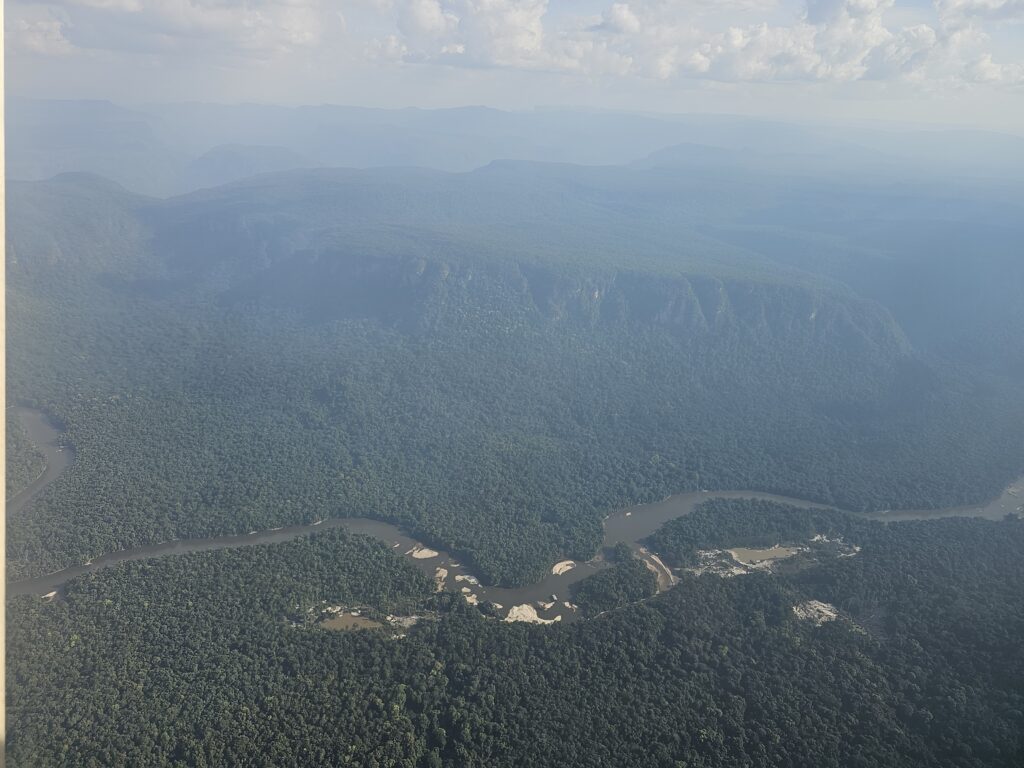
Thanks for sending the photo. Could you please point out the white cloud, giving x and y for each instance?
(388, 48)
(984, 70)
(131, 6)
(503, 32)
(905, 54)
(260, 28)
(830, 40)
(827, 41)
(425, 19)
(730, 41)
(620, 18)
(830, 11)
(489, 33)
(39, 36)
(964, 11)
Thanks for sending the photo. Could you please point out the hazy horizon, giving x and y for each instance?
(165, 149)
(878, 123)
(948, 62)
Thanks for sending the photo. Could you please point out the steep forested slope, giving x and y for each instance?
(491, 359)
(945, 258)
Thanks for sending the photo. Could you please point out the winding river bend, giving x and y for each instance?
(549, 597)
(45, 434)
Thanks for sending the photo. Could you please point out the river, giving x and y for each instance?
(630, 526)
(45, 434)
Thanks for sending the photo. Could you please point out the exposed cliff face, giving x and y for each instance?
(699, 304)
(417, 293)
(417, 249)
(286, 254)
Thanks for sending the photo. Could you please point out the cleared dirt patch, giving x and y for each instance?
(754, 557)
(816, 611)
(347, 622)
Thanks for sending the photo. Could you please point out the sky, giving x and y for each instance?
(920, 61)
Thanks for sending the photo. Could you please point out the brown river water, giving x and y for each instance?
(549, 597)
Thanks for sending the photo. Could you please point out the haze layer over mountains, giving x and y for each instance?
(163, 149)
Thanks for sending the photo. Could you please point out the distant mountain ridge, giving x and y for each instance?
(167, 149)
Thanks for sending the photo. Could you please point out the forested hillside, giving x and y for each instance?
(492, 360)
(198, 660)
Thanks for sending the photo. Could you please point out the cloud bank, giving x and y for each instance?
(730, 41)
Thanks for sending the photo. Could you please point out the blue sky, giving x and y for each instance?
(957, 61)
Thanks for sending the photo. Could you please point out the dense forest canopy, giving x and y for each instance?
(494, 359)
(200, 659)
(24, 461)
(493, 350)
